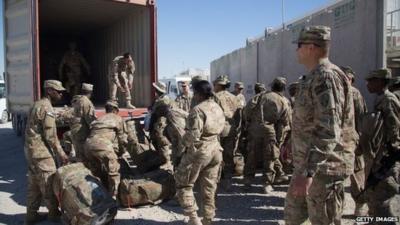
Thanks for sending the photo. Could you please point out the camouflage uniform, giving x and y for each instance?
(230, 106)
(381, 195)
(202, 158)
(266, 126)
(84, 115)
(184, 101)
(122, 78)
(42, 152)
(158, 126)
(107, 141)
(71, 68)
(323, 139)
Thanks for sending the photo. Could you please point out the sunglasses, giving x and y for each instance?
(302, 43)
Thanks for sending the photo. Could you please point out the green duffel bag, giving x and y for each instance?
(148, 189)
(82, 198)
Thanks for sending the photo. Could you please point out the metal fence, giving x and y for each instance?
(393, 24)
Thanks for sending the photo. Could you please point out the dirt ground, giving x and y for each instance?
(236, 207)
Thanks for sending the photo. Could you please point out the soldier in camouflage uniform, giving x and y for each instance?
(122, 78)
(381, 195)
(323, 135)
(238, 92)
(357, 179)
(395, 86)
(83, 116)
(70, 69)
(202, 156)
(184, 100)
(292, 90)
(107, 141)
(158, 123)
(42, 152)
(266, 126)
(230, 105)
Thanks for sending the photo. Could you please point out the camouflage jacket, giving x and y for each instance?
(323, 130)
(121, 66)
(397, 93)
(205, 123)
(241, 99)
(249, 111)
(73, 61)
(183, 102)
(108, 133)
(360, 107)
(41, 139)
(230, 106)
(83, 116)
(160, 109)
(389, 105)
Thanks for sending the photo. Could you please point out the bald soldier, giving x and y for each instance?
(106, 142)
(238, 92)
(43, 152)
(184, 99)
(323, 134)
(83, 115)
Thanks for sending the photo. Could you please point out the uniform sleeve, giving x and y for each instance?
(392, 123)
(194, 128)
(84, 63)
(122, 136)
(326, 131)
(50, 131)
(89, 113)
(131, 66)
(282, 125)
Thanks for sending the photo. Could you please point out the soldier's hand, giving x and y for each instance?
(300, 186)
(64, 159)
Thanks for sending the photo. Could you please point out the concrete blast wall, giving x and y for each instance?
(355, 42)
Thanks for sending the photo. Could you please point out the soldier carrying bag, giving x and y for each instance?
(150, 188)
(82, 198)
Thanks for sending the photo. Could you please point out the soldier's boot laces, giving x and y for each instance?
(54, 215)
(206, 221)
(34, 217)
(194, 219)
(129, 105)
(268, 189)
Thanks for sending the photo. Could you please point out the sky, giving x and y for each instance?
(192, 33)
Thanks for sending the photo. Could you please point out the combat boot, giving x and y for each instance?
(34, 217)
(281, 179)
(54, 215)
(194, 219)
(267, 189)
(129, 105)
(206, 221)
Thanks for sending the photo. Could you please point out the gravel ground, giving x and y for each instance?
(233, 208)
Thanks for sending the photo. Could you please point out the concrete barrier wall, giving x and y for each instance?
(354, 25)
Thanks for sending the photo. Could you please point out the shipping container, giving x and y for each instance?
(37, 33)
(365, 35)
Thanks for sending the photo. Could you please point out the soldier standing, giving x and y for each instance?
(70, 69)
(382, 195)
(158, 123)
(238, 92)
(83, 115)
(357, 179)
(202, 156)
(122, 78)
(184, 100)
(395, 86)
(292, 90)
(107, 141)
(42, 152)
(323, 135)
(230, 106)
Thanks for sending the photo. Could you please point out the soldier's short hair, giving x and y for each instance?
(203, 88)
(127, 54)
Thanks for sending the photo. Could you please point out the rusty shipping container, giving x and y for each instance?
(37, 33)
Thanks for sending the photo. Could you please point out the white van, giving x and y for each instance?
(172, 85)
(3, 105)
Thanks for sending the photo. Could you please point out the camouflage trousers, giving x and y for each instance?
(357, 180)
(383, 198)
(203, 165)
(125, 82)
(73, 83)
(260, 149)
(105, 165)
(40, 181)
(161, 142)
(326, 192)
(229, 146)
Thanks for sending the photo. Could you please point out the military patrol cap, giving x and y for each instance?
(55, 84)
(239, 85)
(197, 79)
(160, 86)
(279, 80)
(113, 104)
(348, 71)
(259, 86)
(87, 87)
(383, 73)
(222, 80)
(314, 35)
